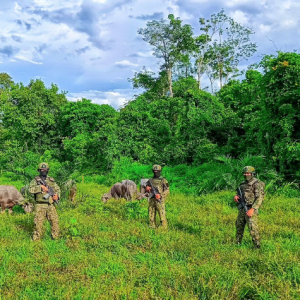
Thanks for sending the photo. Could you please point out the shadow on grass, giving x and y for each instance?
(192, 229)
(26, 225)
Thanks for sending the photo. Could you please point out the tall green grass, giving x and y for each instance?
(223, 173)
(107, 251)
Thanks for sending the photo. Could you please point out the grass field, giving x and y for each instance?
(108, 251)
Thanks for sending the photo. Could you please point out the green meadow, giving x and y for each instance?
(107, 251)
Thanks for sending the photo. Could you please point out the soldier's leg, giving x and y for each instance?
(240, 226)
(40, 215)
(152, 213)
(162, 214)
(52, 217)
(254, 231)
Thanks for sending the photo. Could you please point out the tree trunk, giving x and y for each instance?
(169, 71)
(199, 75)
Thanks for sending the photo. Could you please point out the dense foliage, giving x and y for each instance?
(258, 116)
(174, 122)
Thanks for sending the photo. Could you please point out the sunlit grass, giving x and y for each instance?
(107, 251)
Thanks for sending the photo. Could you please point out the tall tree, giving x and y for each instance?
(171, 42)
(222, 45)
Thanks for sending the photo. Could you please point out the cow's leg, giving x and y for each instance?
(2, 208)
(10, 210)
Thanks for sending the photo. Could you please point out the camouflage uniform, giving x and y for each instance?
(253, 192)
(44, 208)
(156, 206)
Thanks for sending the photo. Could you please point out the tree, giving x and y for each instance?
(280, 122)
(171, 42)
(5, 81)
(147, 80)
(88, 132)
(30, 113)
(223, 44)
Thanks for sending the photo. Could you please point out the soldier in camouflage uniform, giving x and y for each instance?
(157, 202)
(252, 191)
(44, 208)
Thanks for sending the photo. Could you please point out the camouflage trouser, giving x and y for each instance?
(155, 206)
(42, 212)
(252, 223)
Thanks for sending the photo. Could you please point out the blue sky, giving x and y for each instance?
(90, 48)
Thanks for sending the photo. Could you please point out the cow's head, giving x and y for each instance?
(141, 196)
(104, 198)
(28, 207)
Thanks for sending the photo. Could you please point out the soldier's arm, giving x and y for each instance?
(34, 188)
(259, 195)
(166, 188)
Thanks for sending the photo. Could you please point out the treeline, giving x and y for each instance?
(174, 121)
(258, 116)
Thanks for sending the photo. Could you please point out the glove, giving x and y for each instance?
(148, 188)
(55, 197)
(250, 212)
(157, 196)
(236, 198)
(44, 189)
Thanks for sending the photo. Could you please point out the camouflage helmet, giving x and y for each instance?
(43, 165)
(156, 168)
(248, 169)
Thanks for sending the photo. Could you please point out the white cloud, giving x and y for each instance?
(115, 98)
(27, 59)
(240, 17)
(125, 63)
(56, 30)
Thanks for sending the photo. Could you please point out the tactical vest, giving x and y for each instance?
(39, 197)
(157, 182)
(247, 188)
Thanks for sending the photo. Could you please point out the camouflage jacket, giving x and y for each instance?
(253, 192)
(35, 188)
(162, 186)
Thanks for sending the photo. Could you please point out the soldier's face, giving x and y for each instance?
(156, 173)
(44, 172)
(248, 176)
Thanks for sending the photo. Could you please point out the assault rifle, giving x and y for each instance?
(154, 191)
(242, 202)
(50, 193)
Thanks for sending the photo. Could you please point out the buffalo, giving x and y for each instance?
(115, 192)
(129, 189)
(143, 186)
(126, 189)
(10, 196)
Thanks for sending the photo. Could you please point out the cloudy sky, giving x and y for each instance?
(90, 47)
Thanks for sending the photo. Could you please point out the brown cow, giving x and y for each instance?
(10, 196)
(115, 192)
